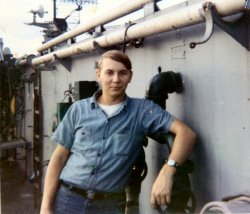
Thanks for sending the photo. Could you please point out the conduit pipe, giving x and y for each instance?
(180, 18)
(89, 24)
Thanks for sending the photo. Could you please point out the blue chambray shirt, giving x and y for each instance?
(104, 149)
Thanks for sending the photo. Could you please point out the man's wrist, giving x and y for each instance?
(168, 170)
(172, 163)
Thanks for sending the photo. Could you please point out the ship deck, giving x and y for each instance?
(18, 193)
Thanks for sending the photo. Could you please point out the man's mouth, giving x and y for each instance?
(116, 88)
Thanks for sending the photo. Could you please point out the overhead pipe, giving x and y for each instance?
(113, 14)
(180, 18)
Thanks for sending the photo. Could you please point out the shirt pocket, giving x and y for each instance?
(83, 143)
(83, 133)
(125, 144)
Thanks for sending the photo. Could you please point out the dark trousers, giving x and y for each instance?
(69, 202)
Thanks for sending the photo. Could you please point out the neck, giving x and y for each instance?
(106, 100)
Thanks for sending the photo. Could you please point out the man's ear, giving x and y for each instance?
(98, 73)
(131, 75)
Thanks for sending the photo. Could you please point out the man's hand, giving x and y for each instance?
(161, 190)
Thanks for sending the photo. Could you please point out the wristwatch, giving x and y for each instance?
(172, 163)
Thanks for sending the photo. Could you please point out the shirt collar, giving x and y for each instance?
(98, 93)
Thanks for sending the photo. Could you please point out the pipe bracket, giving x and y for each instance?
(66, 62)
(239, 30)
(209, 25)
(151, 8)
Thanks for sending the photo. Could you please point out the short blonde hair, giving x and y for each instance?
(117, 56)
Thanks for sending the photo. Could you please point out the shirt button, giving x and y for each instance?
(103, 138)
(92, 173)
(99, 155)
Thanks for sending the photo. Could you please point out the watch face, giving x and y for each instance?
(171, 162)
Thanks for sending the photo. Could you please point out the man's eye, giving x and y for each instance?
(109, 73)
(124, 73)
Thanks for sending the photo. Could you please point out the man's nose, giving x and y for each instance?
(116, 78)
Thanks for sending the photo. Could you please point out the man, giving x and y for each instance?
(98, 141)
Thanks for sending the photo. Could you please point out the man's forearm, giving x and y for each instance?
(182, 148)
(57, 162)
(50, 186)
(183, 145)
(183, 142)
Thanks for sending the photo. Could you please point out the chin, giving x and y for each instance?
(117, 93)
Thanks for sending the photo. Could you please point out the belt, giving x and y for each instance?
(92, 194)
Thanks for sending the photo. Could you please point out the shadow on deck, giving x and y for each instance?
(18, 195)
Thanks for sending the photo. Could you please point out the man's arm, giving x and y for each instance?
(182, 147)
(56, 164)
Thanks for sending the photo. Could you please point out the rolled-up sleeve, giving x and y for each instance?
(65, 132)
(155, 119)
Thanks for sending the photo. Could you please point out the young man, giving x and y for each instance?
(98, 141)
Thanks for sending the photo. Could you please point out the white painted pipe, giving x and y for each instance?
(184, 17)
(228, 7)
(113, 14)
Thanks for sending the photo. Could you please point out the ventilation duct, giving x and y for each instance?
(162, 84)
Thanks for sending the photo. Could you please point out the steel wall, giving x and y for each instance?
(215, 103)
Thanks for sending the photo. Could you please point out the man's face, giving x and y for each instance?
(114, 78)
